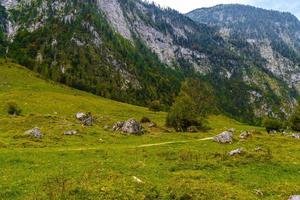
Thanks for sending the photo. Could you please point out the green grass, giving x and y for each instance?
(99, 164)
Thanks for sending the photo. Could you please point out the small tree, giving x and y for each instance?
(191, 107)
(13, 109)
(272, 125)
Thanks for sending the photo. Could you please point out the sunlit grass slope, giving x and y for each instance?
(101, 164)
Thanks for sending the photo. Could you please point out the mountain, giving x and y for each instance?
(137, 52)
(275, 35)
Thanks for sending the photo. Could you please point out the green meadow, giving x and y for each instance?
(101, 164)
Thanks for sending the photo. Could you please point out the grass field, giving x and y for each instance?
(100, 164)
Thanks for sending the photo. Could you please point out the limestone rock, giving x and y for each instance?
(245, 134)
(236, 152)
(35, 132)
(294, 197)
(296, 136)
(85, 118)
(223, 138)
(70, 132)
(118, 126)
(131, 126)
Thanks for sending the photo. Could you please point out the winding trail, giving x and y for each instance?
(173, 142)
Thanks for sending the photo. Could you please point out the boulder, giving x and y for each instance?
(85, 118)
(236, 152)
(223, 138)
(80, 116)
(131, 126)
(296, 136)
(118, 126)
(35, 132)
(294, 197)
(245, 134)
(71, 132)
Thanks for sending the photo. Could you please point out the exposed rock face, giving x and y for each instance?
(223, 138)
(35, 132)
(236, 152)
(130, 126)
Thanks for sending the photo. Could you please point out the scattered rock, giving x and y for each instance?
(80, 116)
(71, 132)
(131, 126)
(258, 192)
(118, 126)
(137, 180)
(152, 125)
(192, 129)
(86, 119)
(294, 197)
(258, 149)
(35, 132)
(145, 120)
(223, 138)
(296, 136)
(245, 134)
(236, 152)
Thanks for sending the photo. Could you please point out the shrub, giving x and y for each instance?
(183, 115)
(155, 106)
(13, 109)
(191, 107)
(272, 125)
(145, 120)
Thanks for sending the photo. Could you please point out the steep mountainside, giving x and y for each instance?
(275, 35)
(137, 52)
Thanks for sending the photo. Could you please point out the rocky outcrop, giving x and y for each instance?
(245, 135)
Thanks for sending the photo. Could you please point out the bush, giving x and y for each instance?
(191, 107)
(155, 106)
(145, 120)
(272, 125)
(13, 109)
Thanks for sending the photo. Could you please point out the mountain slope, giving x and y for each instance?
(136, 52)
(275, 35)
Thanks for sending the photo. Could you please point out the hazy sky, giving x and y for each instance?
(185, 6)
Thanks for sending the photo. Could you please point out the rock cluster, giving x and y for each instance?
(85, 118)
(130, 126)
(296, 136)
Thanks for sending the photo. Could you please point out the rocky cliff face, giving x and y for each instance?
(133, 51)
(273, 34)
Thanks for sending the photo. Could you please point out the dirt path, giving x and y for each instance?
(173, 142)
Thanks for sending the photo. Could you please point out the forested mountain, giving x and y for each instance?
(136, 52)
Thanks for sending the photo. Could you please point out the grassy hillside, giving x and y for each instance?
(100, 164)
